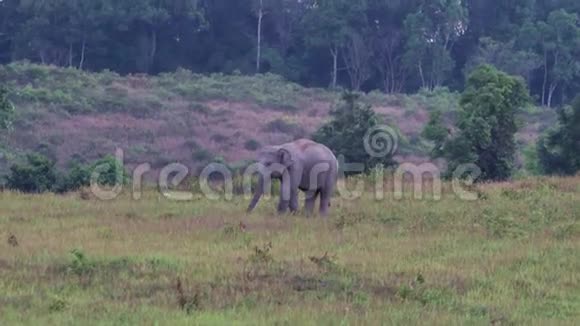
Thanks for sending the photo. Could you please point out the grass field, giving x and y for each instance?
(511, 257)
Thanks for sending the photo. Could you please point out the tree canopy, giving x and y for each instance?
(390, 45)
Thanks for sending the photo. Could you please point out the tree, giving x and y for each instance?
(436, 132)
(431, 34)
(357, 55)
(386, 28)
(506, 57)
(558, 39)
(149, 19)
(36, 175)
(559, 148)
(345, 133)
(487, 123)
(329, 23)
(6, 110)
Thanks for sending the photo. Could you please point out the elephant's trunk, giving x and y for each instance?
(257, 194)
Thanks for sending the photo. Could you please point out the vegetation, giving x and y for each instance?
(79, 92)
(509, 257)
(36, 175)
(388, 45)
(559, 149)
(39, 174)
(486, 124)
(6, 110)
(346, 133)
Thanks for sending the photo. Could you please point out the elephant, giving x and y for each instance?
(300, 165)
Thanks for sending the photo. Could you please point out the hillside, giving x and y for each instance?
(191, 119)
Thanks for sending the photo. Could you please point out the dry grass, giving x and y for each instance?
(511, 257)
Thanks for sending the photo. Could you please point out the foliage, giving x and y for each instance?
(6, 109)
(39, 174)
(436, 132)
(388, 45)
(36, 175)
(252, 145)
(559, 148)
(110, 172)
(345, 133)
(486, 124)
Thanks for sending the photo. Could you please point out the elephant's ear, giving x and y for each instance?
(285, 157)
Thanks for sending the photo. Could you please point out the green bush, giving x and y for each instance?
(559, 149)
(6, 109)
(109, 170)
(36, 175)
(252, 145)
(78, 177)
(345, 133)
(486, 124)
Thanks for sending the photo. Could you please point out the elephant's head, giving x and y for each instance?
(272, 163)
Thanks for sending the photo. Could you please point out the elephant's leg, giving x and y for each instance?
(283, 206)
(310, 201)
(325, 197)
(294, 200)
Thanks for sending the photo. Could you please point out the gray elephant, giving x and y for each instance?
(300, 165)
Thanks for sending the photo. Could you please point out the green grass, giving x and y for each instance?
(511, 257)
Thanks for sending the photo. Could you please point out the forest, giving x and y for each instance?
(390, 45)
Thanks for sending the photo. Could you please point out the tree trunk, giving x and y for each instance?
(153, 51)
(545, 83)
(70, 55)
(553, 87)
(83, 50)
(420, 65)
(259, 50)
(334, 53)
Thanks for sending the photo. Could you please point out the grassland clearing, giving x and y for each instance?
(511, 257)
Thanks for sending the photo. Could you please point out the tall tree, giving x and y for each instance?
(487, 123)
(431, 34)
(329, 23)
(559, 42)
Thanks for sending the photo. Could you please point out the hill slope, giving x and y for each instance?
(188, 118)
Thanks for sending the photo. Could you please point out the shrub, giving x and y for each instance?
(6, 110)
(436, 132)
(559, 149)
(202, 155)
(345, 133)
(79, 175)
(252, 145)
(110, 170)
(486, 124)
(36, 175)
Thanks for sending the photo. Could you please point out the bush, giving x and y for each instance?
(252, 145)
(283, 126)
(345, 133)
(79, 175)
(486, 124)
(111, 171)
(6, 110)
(559, 149)
(36, 175)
